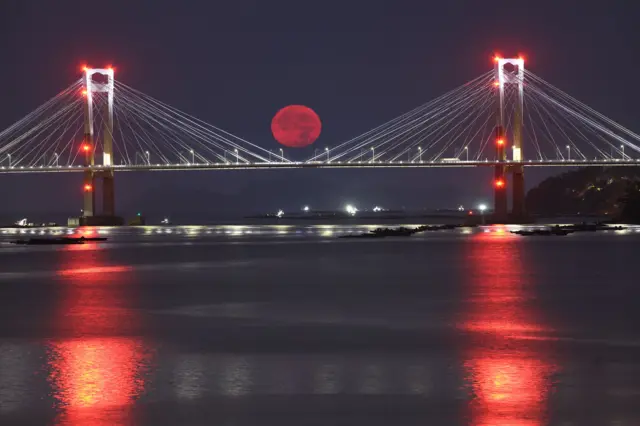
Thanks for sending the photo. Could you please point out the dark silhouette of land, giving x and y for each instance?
(593, 191)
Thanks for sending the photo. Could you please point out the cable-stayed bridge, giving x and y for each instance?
(98, 126)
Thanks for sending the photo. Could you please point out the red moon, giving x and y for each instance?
(296, 126)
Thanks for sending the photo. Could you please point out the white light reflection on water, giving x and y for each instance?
(14, 374)
(327, 379)
(326, 231)
(189, 376)
(417, 378)
(371, 380)
(197, 376)
(283, 229)
(236, 379)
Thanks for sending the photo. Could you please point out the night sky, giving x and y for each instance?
(356, 63)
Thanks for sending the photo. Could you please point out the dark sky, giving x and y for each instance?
(357, 63)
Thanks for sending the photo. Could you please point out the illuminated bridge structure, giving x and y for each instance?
(99, 126)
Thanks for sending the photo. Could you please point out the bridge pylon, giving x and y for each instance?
(510, 79)
(88, 150)
(107, 175)
(108, 187)
(500, 183)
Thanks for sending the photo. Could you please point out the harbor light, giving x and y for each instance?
(482, 208)
(350, 209)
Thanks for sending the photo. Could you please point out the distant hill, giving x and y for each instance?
(588, 191)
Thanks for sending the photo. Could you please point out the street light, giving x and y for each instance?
(193, 157)
(9, 156)
(622, 148)
(466, 149)
(281, 155)
(148, 157)
(420, 153)
(373, 154)
(482, 208)
(237, 160)
(55, 155)
(569, 152)
(326, 149)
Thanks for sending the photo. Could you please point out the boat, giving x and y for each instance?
(399, 232)
(383, 232)
(89, 238)
(448, 227)
(365, 235)
(543, 232)
(591, 227)
(58, 241)
(48, 241)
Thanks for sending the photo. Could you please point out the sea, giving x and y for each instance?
(292, 325)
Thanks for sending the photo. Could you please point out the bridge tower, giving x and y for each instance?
(510, 84)
(499, 179)
(108, 188)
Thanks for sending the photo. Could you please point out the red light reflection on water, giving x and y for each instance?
(84, 231)
(96, 379)
(509, 390)
(92, 270)
(507, 364)
(96, 374)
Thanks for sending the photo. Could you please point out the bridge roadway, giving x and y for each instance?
(319, 165)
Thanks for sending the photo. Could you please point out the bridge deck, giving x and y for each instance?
(319, 165)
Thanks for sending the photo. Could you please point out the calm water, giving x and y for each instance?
(292, 326)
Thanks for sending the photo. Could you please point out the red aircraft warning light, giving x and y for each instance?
(88, 188)
(86, 147)
(500, 142)
(499, 183)
(84, 92)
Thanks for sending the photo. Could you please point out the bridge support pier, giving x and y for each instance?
(518, 194)
(108, 195)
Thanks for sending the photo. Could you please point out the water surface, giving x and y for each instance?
(290, 325)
